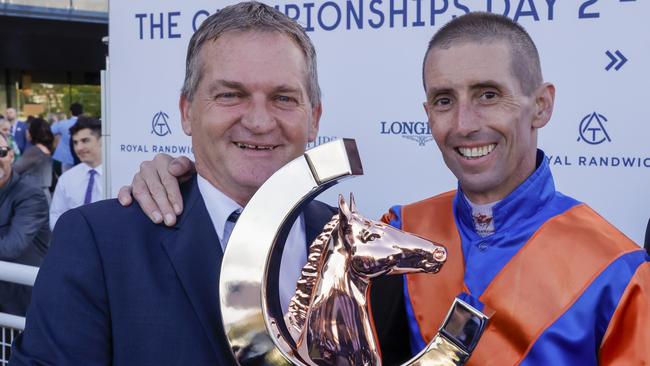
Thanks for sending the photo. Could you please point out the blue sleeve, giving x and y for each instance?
(55, 128)
(68, 321)
(394, 216)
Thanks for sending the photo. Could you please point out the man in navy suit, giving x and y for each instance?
(18, 130)
(118, 289)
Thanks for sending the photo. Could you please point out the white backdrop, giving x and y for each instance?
(369, 55)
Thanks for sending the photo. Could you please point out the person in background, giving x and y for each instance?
(82, 184)
(18, 129)
(24, 230)
(35, 166)
(5, 130)
(5, 127)
(61, 130)
(52, 118)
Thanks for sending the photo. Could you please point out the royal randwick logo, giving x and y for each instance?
(159, 124)
(592, 129)
(417, 131)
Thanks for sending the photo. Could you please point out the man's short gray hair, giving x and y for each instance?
(482, 27)
(243, 17)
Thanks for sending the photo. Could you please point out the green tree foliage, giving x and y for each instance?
(56, 98)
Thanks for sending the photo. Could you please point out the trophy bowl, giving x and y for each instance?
(328, 322)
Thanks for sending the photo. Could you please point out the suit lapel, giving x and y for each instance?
(317, 214)
(196, 256)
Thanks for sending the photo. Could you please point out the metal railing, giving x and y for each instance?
(7, 336)
(12, 325)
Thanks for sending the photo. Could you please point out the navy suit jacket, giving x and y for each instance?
(20, 136)
(117, 289)
(24, 236)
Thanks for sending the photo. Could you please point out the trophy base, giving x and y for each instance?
(456, 339)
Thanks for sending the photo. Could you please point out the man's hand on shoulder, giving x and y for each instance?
(156, 187)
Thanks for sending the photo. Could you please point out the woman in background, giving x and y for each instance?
(35, 164)
(5, 130)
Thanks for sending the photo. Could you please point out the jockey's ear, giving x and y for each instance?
(344, 210)
(353, 205)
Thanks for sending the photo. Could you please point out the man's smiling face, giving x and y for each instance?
(484, 125)
(251, 112)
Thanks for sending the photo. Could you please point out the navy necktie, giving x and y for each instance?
(89, 189)
(234, 216)
(230, 224)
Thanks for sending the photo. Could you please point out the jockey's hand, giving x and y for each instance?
(156, 187)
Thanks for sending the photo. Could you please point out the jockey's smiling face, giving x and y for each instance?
(483, 122)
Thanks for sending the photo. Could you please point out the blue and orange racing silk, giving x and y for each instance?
(566, 287)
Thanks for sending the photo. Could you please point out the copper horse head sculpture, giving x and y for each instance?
(329, 316)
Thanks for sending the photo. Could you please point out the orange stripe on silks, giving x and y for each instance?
(627, 340)
(432, 294)
(543, 280)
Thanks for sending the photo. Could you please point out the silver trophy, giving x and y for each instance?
(328, 322)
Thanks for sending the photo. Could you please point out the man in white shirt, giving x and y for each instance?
(81, 184)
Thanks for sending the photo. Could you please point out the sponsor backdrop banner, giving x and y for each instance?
(369, 55)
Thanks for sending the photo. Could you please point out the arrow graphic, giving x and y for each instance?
(616, 62)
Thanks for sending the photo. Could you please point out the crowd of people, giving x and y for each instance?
(46, 168)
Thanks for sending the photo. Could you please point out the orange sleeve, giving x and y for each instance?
(627, 340)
